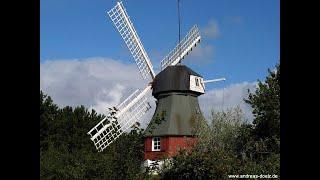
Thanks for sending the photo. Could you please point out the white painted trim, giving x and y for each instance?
(152, 145)
(193, 84)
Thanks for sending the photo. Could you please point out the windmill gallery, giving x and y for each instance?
(176, 88)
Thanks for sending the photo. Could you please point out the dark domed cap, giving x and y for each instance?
(173, 79)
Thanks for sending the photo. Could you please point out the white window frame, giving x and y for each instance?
(196, 84)
(158, 146)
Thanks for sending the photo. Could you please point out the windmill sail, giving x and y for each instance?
(183, 48)
(120, 119)
(125, 27)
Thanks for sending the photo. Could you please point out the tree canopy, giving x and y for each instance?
(266, 105)
(66, 151)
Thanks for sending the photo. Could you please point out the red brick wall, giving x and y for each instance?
(169, 146)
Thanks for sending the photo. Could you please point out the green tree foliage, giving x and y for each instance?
(265, 102)
(266, 105)
(66, 151)
(48, 112)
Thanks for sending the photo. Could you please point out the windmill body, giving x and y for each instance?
(176, 88)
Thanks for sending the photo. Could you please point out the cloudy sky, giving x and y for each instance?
(84, 61)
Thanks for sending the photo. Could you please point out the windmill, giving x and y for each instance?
(176, 89)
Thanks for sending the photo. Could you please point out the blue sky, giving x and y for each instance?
(248, 43)
(245, 43)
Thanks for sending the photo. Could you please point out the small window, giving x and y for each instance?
(197, 82)
(156, 144)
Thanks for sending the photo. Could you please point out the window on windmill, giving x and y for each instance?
(156, 144)
(197, 82)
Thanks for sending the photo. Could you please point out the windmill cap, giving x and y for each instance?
(174, 79)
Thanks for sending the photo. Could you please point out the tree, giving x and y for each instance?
(48, 112)
(266, 106)
(66, 151)
(222, 130)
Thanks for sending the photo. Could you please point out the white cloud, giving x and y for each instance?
(107, 98)
(211, 30)
(100, 83)
(93, 82)
(97, 83)
(227, 97)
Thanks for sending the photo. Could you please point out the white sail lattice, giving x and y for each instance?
(183, 48)
(125, 27)
(120, 119)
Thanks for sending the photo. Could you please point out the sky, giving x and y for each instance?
(84, 60)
